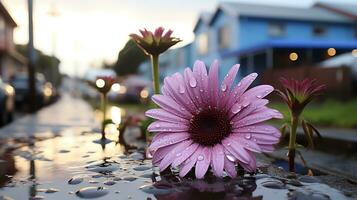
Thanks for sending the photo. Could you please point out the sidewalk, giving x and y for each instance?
(67, 112)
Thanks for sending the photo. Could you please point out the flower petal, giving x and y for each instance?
(200, 73)
(252, 165)
(170, 105)
(190, 162)
(166, 139)
(257, 117)
(256, 128)
(239, 111)
(161, 153)
(230, 168)
(192, 88)
(185, 154)
(169, 158)
(176, 88)
(203, 162)
(213, 83)
(164, 115)
(240, 88)
(218, 160)
(236, 150)
(227, 82)
(160, 126)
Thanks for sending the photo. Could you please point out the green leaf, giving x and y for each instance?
(302, 158)
(308, 133)
(314, 130)
(283, 129)
(107, 121)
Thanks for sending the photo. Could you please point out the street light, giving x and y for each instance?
(31, 61)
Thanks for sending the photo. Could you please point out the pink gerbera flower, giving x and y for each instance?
(201, 124)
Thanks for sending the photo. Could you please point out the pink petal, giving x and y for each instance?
(200, 73)
(255, 93)
(239, 111)
(246, 141)
(257, 118)
(256, 128)
(169, 158)
(226, 86)
(170, 105)
(267, 148)
(166, 139)
(230, 168)
(167, 127)
(213, 83)
(185, 154)
(218, 160)
(161, 153)
(190, 162)
(236, 150)
(192, 88)
(164, 115)
(240, 88)
(177, 90)
(252, 165)
(158, 32)
(168, 34)
(203, 162)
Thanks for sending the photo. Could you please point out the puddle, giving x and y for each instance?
(71, 166)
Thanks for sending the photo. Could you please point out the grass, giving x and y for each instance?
(330, 113)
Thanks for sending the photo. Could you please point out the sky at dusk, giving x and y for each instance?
(87, 33)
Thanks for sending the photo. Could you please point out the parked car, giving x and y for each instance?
(7, 97)
(22, 96)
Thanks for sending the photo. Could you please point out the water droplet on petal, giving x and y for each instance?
(248, 136)
(223, 87)
(230, 158)
(178, 154)
(188, 160)
(193, 82)
(239, 84)
(259, 96)
(254, 75)
(157, 125)
(181, 89)
(200, 158)
(236, 109)
(201, 90)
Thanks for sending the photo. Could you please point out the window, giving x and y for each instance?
(276, 29)
(224, 37)
(319, 30)
(202, 43)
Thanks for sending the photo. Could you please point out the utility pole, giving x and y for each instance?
(31, 61)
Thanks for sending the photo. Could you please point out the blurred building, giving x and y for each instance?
(11, 62)
(265, 38)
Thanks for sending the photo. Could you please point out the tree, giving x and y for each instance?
(129, 59)
(45, 64)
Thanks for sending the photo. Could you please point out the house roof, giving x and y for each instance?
(348, 10)
(6, 14)
(314, 13)
(205, 17)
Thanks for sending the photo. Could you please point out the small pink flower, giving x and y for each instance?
(201, 124)
(155, 43)
(298, 93)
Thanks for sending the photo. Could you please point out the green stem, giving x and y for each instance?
(155, 73)
(292, 142)
(104, 109)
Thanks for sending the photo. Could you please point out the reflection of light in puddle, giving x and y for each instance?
(115, 113)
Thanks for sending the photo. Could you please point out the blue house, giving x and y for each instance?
(262, 37)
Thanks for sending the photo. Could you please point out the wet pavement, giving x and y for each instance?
(63, 162)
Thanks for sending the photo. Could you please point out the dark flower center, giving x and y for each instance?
(209, 127)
